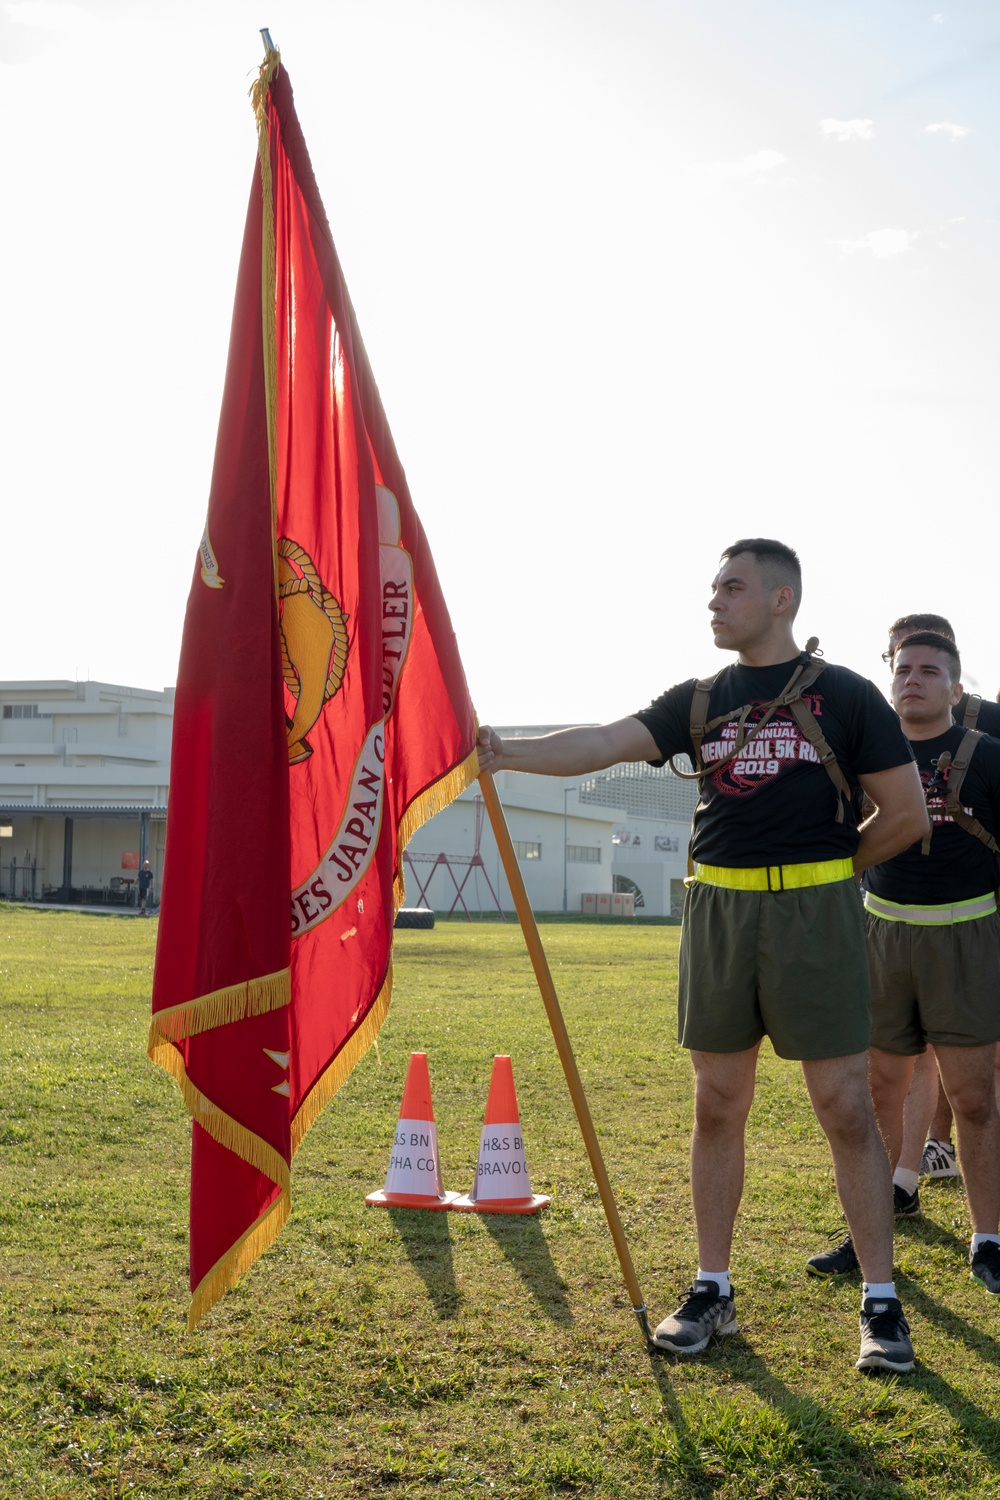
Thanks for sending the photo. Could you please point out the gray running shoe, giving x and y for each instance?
(702, 1313)
(885, 1336)
(905, 1205)
(837, 1261)
(984, 1265)
(938, 1160)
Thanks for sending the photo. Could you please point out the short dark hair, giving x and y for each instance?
(938, 642)
(907, 624)
(778, 563)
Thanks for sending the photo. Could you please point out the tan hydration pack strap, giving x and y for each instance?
(952, 802)
(790, 697)
(970, 715)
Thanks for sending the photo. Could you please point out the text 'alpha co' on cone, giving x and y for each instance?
(502, 1185)
(414, 1176)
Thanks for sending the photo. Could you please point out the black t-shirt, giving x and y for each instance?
(989, 715)
(775, 804)
(958, 866)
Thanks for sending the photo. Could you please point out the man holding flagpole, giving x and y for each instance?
(773, 939)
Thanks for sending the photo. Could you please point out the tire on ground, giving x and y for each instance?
(414, 916)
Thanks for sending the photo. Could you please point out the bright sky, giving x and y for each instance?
(636, 278)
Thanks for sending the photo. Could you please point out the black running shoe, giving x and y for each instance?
(835, 1262)
(905, 1205)
(984, 1265)
(702, 1313)
(885, 1336)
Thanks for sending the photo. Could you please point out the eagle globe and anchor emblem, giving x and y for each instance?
(313, 643)
(314, 649)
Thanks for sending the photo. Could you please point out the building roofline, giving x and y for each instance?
(109, 809)
(70, 685)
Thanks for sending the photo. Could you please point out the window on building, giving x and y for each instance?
(21, 711)
(525, 849)
(583, 854)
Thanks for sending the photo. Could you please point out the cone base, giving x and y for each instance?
(466, 1204)
(382, 1199)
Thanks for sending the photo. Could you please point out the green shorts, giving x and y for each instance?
(791, 965)
(937, 984)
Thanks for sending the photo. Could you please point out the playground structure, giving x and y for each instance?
(451, 863)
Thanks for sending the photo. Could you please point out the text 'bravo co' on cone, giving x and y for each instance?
(501, 1185)
(414, 1176)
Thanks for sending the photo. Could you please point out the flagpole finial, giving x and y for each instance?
(266, 39)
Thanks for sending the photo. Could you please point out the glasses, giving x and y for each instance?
(887, 656)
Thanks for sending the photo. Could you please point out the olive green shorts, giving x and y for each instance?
(937, 984)
(791, 965)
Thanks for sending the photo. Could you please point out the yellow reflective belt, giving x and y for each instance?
(932, 916)
(777, 877)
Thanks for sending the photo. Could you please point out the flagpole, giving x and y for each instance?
(549, 998)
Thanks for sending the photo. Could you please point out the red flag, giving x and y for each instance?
(321, 716)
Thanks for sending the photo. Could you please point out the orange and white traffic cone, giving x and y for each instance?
(501, 1185)
(414, 1176)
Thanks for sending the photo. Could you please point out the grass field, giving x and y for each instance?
(412, 1354)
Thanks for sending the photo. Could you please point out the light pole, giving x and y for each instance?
(566, 792)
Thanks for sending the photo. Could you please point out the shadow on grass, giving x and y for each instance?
(523, 1242)
(976, 1339)
(427, 1241)
(978, 1429)
(799, 1438)
(688, 1459)
(823, 1442)
(928, 1232)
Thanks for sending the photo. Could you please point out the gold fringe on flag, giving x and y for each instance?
(343, 1064)
(250, 1148)
(238, 1259)
(253, 997)
(268, 288)
(222, 1127)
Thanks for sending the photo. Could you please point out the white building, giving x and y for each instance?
(84, 768)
